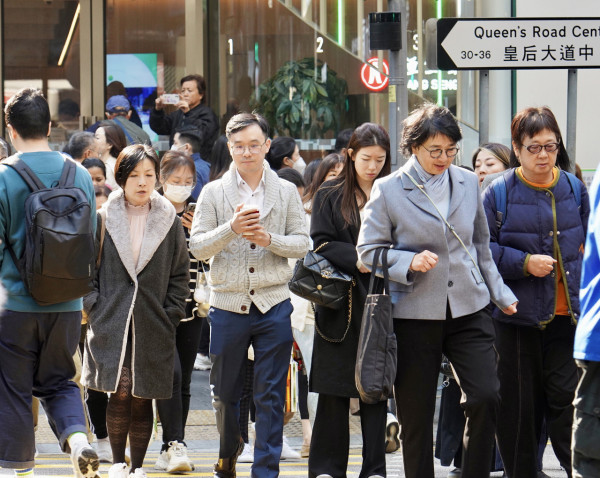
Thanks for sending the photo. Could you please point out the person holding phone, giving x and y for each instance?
(178, 176)
(192, 115)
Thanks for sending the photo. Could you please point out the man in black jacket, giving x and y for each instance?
(191, 115)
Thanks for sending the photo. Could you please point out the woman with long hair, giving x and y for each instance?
(111, 141)
(337, 213)
(489, 160)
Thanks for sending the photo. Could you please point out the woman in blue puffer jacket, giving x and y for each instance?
(537, 242)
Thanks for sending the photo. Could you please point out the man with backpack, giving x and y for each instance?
(45, 199)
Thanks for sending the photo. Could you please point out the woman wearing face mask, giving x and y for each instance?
(177, 176)
(284, 153)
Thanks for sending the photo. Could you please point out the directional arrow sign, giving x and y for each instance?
(517, 43)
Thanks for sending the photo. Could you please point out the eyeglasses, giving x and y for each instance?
(436, 153)
(252, 149)
(537, 148)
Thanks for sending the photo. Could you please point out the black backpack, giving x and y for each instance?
(59, 258)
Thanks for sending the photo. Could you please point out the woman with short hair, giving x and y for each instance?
(442, 277)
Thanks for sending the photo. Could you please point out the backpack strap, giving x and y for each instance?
(67, 178)
(30, 178)
(575, 186)
(499, 185)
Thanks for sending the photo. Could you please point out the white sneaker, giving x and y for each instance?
(162, 461)
(118, 470)
(202, 362)
(392, 442)
(287, 453)
(104, 451)
(138, 473)
(85, 460)
(247, 455)
(178, 459)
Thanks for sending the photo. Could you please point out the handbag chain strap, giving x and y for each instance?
(321, 334)
(451, 228)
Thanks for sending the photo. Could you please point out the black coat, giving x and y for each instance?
(332, 370)
(200, 120)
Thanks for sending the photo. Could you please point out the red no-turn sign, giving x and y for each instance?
(373, 76)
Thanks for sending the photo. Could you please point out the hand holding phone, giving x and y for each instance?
(170, 98)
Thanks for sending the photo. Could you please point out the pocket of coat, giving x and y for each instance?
(476, 276)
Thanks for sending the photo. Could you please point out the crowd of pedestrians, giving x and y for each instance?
(192, 255)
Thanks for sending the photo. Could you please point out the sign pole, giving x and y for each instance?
(484, 106)
(571, 117)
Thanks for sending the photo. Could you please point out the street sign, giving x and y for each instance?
(517, 43)
(374, 77)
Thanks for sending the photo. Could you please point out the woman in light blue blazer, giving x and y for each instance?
(443, 276)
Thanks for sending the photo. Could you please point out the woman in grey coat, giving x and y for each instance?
(139, 298)
(442, 277)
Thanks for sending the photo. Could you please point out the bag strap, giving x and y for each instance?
(102, 217)
(384, 265)
(341, 339)
(30, 178)
(67, 178)
(575, 186)
(499, 186)
(451, 228)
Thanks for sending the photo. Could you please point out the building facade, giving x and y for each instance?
(297, 61)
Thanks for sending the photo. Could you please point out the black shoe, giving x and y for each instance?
(455, 473)
(225, 467)
(541, 474)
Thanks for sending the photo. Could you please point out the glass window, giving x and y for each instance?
(41, 49)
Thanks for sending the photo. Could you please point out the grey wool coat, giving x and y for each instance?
(149, 299)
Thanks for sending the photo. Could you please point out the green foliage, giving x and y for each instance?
(296, 103)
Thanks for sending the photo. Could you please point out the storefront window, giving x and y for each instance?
(41, 49)
(145, 51)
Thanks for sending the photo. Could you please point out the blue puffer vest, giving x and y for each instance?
(538, 220)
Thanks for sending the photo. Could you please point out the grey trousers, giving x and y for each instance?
(586, 423)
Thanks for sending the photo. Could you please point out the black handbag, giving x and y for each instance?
(376, 358)
(317, 280)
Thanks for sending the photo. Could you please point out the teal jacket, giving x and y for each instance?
(13, 192)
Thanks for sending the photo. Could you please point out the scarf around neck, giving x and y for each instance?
(436, 185)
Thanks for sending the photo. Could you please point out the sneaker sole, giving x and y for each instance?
(88, 463)
(181, 468)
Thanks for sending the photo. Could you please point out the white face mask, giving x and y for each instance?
(177, 194)
(299, 165)
(175, 147)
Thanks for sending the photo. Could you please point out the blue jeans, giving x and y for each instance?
(36, 358)
(270, 334)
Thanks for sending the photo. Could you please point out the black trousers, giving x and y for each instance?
(331, 438)
(537, 375)
(174, 411)
(468, 342)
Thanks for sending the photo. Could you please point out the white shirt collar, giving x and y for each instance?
(240, 181)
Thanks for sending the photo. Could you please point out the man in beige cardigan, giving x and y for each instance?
(248, 223)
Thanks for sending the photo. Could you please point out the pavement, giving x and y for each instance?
(202, 441)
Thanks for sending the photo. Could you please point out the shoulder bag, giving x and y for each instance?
(376, 358)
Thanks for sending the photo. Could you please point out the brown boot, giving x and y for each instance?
(225, 467)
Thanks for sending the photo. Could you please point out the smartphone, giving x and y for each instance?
(170, 98)
(191, 207)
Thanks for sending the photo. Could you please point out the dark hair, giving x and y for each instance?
(426, 122)
(28, 113)
(114, 136)
(173, 160)
(281, 147)
(531, 121)
(101, 190)
(94, 163)
(220, 158)
(68, 107)
(200, 84)
(311, 169)
(367, 134)
(192, 139)
(243, 120)
(130, 157)
(79, 143)
(342, 139)
(497, 150)
(4, 148)
(292, 176)
(325, 165)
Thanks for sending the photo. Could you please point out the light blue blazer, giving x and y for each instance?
(400, 216)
